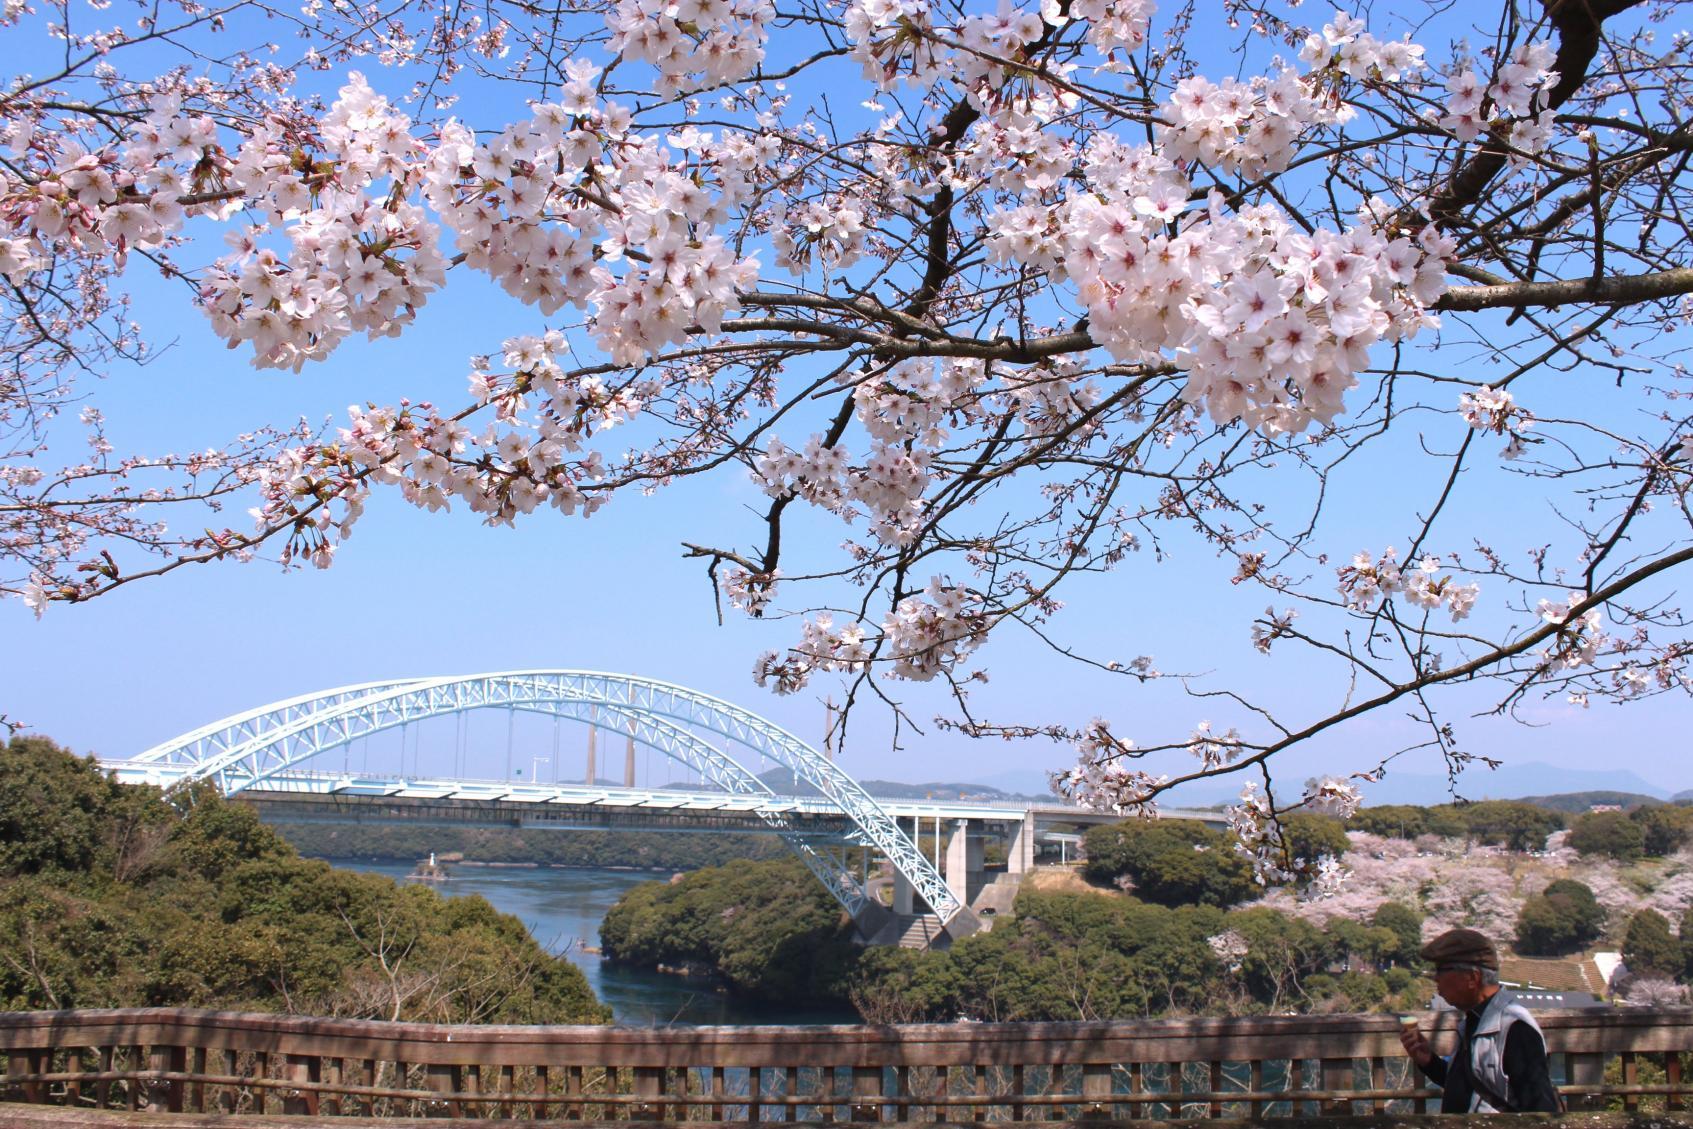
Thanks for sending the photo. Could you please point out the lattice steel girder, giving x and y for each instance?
(239, 752)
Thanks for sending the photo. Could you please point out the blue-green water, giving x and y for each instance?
(563, 909)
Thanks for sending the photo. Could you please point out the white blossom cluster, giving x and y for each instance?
(906, 412)
(1257, 835)
(86, 198)
(1495, 410)
(1269, 322)
(693, 44)
(17, 260)
(751, 592)
(1248, 128)
(828, 233)
(1368, 580)
(923, 636)
(1212, 749)
(357, 261)
(500, 472)
(1230, 949)
(893, 40)
(1099, 779)
(1272, 627)
(1113, 25)
(1017, 149)
(1515, 94)
(1578, 641)
(1330, 796)
(646, 210)
(1344, 44)
(900, 40)
(889, 482)
(1635, 679)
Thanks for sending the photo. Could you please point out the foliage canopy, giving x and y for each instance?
(111, 897)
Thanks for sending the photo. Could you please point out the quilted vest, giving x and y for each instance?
(1487, 1047)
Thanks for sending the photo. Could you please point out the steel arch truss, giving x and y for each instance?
(247, 749)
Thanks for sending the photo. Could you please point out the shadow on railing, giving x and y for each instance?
(168, 1060)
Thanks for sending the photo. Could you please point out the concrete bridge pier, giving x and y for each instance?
(904, 895)
(1020, 846)
(962, 866)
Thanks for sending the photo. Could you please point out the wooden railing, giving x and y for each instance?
(168, 1060)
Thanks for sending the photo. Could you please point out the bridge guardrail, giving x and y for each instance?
(174, 1060)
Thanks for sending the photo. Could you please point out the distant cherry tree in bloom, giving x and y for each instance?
(1007, 294)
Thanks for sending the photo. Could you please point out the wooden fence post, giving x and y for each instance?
(1096, 1090)
(301, 1068)
(1337, 1075)
(1588, 1072)
(866, 1093)
(649, 1085)
(163, 1096)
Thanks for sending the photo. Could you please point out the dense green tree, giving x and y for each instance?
(1087, 956)
(1060, 955)
(1408, 821)
(1664, 827)
(889, 984)
(1563, 919)
(1171, 862)
(1281, 953)
(1406, 925)
(1448, 821)
(1311, 836)
(1608, 833)
(1510, 823)
(1649, 948)
(1397, 821)
(767, 927)
(110, 897)
(1352, 943)
(54, 810)
(1685, 936)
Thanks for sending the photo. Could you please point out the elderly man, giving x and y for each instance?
(1499, 1065)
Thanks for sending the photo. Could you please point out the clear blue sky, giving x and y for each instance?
(418, 594)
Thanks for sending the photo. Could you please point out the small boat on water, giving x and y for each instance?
(428, 870)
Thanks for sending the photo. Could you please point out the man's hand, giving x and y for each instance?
(1411, 1037)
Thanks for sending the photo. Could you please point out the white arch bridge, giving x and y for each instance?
(265, 753)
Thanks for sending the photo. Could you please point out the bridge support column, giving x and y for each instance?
(904, 895)
(957, 868)
(1020, 847)
(629, 765)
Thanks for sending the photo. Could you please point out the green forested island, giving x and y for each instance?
(640, 850)
(771, 931)
(112, 897)
(1164, 917)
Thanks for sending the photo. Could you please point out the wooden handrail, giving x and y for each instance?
(174, 1059)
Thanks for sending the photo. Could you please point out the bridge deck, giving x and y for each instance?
(304, 782)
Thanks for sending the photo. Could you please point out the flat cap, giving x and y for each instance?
(1461, 946)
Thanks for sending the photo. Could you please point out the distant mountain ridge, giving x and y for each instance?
(782, 781)
(1565, 789)
(1574, 803)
